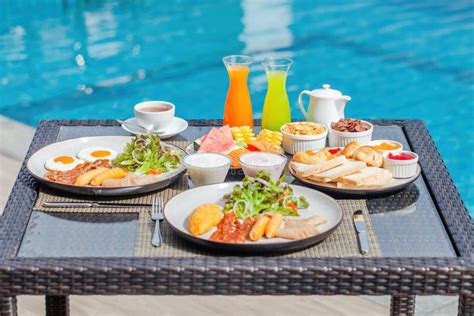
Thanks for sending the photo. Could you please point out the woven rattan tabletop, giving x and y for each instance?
(422, 233)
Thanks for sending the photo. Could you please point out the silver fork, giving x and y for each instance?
(157, 216)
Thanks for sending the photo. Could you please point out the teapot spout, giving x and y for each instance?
(341, 104)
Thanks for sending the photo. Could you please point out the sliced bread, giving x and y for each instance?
(346, 168)
(364, 177)
(306, 170)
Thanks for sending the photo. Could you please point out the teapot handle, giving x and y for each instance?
(300, 102)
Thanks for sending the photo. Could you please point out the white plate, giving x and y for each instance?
(71, 147)
(331, 188)
(180, 207)
(177, 126)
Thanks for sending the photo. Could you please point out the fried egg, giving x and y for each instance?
(62, 163)
(92, 154)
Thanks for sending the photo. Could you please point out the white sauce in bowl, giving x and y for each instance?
(207, 168)
(206, 160)
(254, 162)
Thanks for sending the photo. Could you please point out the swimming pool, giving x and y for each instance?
(96, 59)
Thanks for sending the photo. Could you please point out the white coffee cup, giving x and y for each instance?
(155, 116)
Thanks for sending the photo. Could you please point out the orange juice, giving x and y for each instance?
(238, 106)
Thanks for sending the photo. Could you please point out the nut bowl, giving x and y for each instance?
(341, 139)
(293, 143)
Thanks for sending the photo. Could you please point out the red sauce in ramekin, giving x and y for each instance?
(401, 156)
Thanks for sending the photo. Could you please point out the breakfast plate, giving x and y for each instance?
(179, 209)
(177, 126)
(357, 169)
(72, 165)
(331, 188)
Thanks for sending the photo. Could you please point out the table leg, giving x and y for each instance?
(57, 305)
(402, 305)
(466, 305)
(8, 306)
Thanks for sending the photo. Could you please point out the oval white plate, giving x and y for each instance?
(331, 188)
(35, 165)
(177, 126)
(180, 207)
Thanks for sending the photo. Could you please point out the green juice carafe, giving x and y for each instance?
(276, 109)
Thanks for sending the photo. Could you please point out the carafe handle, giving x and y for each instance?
(300, 102)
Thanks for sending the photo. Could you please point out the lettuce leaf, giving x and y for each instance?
(262, 195)
(145, 153)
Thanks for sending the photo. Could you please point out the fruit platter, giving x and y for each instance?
(236, 141)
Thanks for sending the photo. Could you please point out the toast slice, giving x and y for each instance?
(375, 185)
(366, 176)
(345, 169)
(306, 170)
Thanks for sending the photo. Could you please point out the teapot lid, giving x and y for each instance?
(326, 92)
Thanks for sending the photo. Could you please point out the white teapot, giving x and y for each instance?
(325, 105)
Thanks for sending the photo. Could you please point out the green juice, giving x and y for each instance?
(276, 109)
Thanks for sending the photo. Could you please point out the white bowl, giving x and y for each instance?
(401, 168)
(294, 143)
(341, 139)
(380, 141)
(256, 161)
(207, 168)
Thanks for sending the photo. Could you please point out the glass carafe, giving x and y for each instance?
(238, 106)
(276, 109)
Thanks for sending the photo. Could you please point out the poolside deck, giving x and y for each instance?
(15, 139)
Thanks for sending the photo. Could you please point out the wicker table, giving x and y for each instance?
(424, 232)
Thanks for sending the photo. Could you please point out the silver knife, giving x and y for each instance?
(92, 204)
(360, 227)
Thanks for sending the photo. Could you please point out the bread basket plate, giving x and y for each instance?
(178, 209)
(35, 165)
(331, 189)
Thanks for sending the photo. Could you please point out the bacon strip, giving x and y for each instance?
(231, 230)
(69, 177)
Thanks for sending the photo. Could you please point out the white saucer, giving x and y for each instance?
(177, 126)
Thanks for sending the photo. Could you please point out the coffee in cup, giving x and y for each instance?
(155, 116)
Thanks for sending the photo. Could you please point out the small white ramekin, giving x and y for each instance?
(207, 168)
(341, 139)
(401, 168)
(294, 143)
(383, 152)
(251, 163)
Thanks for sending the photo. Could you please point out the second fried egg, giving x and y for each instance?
(92, 154)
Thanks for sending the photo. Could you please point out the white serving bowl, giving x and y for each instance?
(294, 143)
(384, 152)
(341, 139)
(401, 168)
(256, 161)
(207, 168)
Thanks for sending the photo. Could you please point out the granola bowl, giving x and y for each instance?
(303, 136)
(339, 138)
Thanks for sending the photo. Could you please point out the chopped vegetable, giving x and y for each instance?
(262, 195)
(144, 154)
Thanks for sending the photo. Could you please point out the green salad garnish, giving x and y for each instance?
(145, 154)
(262, 195)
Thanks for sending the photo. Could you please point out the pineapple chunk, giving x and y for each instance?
(242, 134)
(271, 137)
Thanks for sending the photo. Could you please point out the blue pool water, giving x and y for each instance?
(96, 59)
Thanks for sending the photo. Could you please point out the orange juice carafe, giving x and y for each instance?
(238, 107)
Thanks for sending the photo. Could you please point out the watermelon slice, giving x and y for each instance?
(217, 140)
